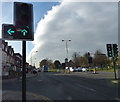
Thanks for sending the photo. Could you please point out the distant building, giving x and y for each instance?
(0, 57)
(5, 57)
(9, 61)
(17, 62)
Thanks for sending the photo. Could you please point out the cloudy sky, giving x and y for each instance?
(89, 26)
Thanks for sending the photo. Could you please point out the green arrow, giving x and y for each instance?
(10, 31)
(24, 32)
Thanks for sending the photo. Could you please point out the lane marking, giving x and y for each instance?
(117, 99)
(86, 87)
(39, 80)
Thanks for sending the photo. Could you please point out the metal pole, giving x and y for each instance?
(114, 63)
(24, 71)
(31, 58)
(67, 48)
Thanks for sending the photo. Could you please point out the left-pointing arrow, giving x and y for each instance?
(10, 31)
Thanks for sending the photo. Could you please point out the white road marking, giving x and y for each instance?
(39, 80)
(117, 99)
(86, 87)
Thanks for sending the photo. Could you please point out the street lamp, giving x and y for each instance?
(34, 62)
(66, 46)
(31, 56)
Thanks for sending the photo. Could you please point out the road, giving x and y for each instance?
(58, 86)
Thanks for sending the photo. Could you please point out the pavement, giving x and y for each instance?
(17, 96)
(28, 75)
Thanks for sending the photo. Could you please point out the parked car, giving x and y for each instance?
(79, 69)
(34, 71)
(71, 69)
(46, 68)
(75, 70)
(39, 70)
(84, 69)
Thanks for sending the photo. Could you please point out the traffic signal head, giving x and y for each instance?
(109, 50)
(90, 60)
(22, 29)
(23, 20)
(88, 53)
(23, 14)
(115, 50)
(8, 31)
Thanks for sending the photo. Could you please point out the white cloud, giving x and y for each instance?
(89, 25)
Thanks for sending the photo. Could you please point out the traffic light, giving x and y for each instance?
(90, 60)
(109, 50)
(23, 20)
(22, 29)
(115, 50)
(88, 53)
(8, 31)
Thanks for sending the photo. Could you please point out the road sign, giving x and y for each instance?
(8, 31)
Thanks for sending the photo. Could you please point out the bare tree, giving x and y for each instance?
(76, 59)
(118, 62)
(100, 59)
(83, 61)
(71, 63)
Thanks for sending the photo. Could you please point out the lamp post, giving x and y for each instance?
(34, 62)
(66, 46)
(31, 56)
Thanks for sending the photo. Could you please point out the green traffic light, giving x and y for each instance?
(115, 50)
(27, 27)
(24, 31)
(10, 31)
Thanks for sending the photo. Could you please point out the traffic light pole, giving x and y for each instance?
(114, 64)
(24, 71)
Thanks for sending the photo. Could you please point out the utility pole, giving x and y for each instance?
(66, 46)
(31, 56)
(66, 59)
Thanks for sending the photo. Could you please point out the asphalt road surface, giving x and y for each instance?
(58, 86)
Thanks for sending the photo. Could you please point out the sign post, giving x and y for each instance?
(24, 71)
(22, 30)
